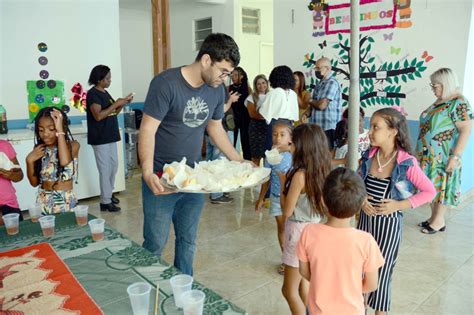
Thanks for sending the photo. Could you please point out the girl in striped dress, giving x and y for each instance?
(391, 175)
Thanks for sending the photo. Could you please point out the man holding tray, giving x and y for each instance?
(180, 104)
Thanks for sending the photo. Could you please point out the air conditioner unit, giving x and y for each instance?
(212, 1)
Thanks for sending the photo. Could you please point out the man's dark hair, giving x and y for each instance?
(343, 193)
(98, 73)
(282, 77)
(220, 47)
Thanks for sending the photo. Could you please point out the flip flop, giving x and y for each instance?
(430, 230)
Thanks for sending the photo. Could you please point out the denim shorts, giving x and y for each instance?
(275, 207)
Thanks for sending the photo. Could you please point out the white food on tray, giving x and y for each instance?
(213, 176)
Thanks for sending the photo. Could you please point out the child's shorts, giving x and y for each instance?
(293, 232)
(275, 206)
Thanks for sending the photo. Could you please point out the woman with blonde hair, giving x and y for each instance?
(303, 95)
(445, 127)
(257, 126)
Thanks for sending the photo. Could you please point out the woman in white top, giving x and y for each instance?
(257, 126)
(281, 103)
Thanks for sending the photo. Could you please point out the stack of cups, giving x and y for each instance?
(81, 214)
(47, 225)
(35, 212)
(12, 223)
(97, 229)
(139, 294)
(180, 284)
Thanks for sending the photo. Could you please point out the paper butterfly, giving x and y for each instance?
(322, 45)
(394, 50)
(426, 56)
(388, 36)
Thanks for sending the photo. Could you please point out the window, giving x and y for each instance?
(251, 21)
(202, 28)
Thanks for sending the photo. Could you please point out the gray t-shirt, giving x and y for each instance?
(184, 112)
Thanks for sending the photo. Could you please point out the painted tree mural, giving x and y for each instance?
(381, 82)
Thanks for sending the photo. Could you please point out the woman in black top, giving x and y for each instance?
(240, 84)
(103, 132)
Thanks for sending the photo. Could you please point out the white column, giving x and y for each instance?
(354, 92)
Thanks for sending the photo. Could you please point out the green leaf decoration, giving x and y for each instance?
(389, 79)
(397, 101)
(398, 88)
(345, 57)
(312, 56)
(336, 46)
(369, 47)
(341, 52)
(346, 42)
(406, 64)
(339, 36)
(396, 79)
(389, 66)
(422, 69)
(413, 63)
(372, 69)
(404, 78)
(417, 73)
(371, 59)
(370, 39)
(397, 65)
(419, 64)
(411, 76)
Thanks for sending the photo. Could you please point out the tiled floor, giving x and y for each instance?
(238, 256)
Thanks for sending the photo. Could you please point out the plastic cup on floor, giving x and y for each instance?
(81, 214)
(47, 225)
(180, 284)
(97, 229)
(139, 294)
(35, 212)
(193, 302)
(12, 223)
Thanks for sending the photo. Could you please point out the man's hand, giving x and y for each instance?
(153, 182)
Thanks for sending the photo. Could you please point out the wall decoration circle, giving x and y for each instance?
(51, 84)
(40, 84)
(55, 99)
(39, 98)
(42, 47)
(44, 74)
(66, 108)
(43, 60)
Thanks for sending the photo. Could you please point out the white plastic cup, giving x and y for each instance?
(81, 214)
(47, 225)
(193, 302)
(139, 294)
(180, 284)
(97, 229)
(12, 223)
(35, 212)
(84, 124)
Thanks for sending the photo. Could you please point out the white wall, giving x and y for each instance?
(183, 13)
(438, 28)
(79, 33)
(250, 44)
(136, 45)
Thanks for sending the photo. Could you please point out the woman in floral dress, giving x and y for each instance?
(445, 127)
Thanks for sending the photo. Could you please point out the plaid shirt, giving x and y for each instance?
(329, 117)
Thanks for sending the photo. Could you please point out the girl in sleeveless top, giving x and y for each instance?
(302, 204)
(52, 165)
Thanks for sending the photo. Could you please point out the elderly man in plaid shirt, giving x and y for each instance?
(325, 105)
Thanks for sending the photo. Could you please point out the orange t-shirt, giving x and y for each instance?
(337, 257)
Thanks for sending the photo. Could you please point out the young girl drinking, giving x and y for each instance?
(52, 164)
(390, 174)
(302, 204)
(281, 137)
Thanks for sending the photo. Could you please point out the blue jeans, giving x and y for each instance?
(184, 210)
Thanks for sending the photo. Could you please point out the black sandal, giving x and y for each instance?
(424, 224)
(429, 230)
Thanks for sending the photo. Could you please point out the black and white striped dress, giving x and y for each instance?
(387, 231)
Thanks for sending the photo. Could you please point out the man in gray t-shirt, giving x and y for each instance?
(180, 104)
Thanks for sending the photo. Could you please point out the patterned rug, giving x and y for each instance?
(34, 280)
